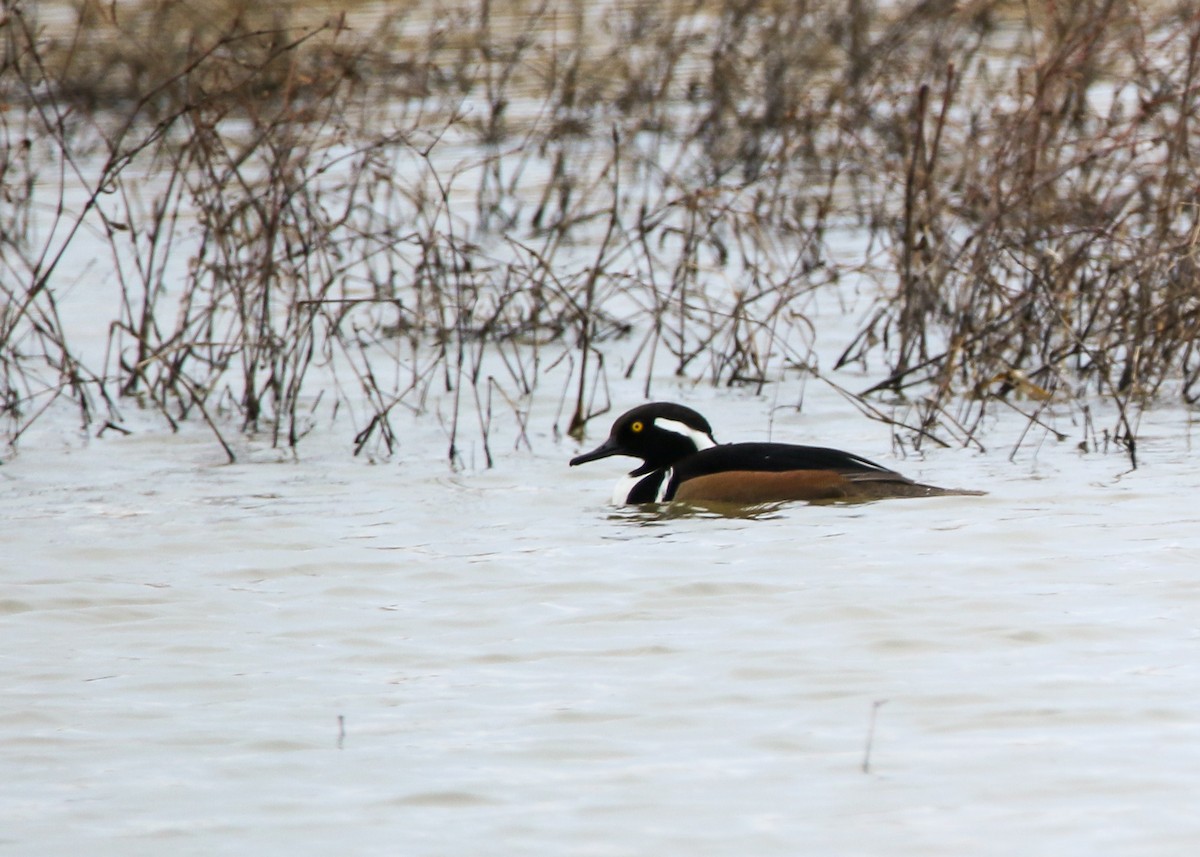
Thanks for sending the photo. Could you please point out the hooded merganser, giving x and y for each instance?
(682, 461)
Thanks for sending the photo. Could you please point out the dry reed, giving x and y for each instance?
(418, 196)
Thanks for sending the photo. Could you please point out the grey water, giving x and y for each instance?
(325, 654)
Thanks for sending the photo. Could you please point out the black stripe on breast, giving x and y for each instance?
(646, 490)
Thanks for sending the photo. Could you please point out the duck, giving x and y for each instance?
(682, 462)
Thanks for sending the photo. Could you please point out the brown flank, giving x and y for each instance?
(751, 486)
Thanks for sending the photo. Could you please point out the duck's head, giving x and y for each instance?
(660, 434)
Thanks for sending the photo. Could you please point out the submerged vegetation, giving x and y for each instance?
(304, 207)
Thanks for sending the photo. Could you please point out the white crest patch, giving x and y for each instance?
(702, 440)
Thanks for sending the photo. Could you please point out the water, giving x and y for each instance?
(519, 668)
(332, 655)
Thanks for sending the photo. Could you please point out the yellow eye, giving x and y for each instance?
(637, 427)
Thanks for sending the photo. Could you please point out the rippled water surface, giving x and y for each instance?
(324, 655)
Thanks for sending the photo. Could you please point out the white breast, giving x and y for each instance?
(621, 490)
(626, 484)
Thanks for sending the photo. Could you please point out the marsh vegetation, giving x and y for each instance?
(303, 208)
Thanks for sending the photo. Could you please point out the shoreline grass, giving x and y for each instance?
(526, 181)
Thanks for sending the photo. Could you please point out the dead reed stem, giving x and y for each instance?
(481, 194)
